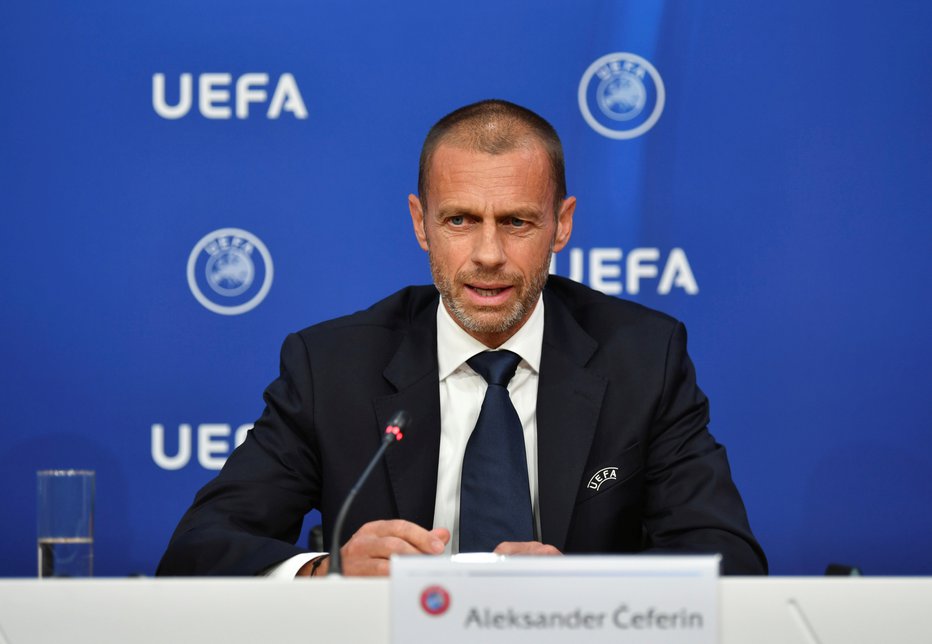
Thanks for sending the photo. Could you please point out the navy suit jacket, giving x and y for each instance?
(616, 389)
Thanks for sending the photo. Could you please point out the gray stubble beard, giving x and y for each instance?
(521, 309)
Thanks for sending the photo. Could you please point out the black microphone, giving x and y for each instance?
(393, 433)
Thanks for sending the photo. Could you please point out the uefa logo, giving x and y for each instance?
(621, 95)
(435, 600)
(230, 271)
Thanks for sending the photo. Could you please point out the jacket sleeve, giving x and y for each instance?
(248, 518)
(692, 504)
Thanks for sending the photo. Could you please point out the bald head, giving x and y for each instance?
(494, 127)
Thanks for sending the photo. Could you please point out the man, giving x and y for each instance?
(616, 453)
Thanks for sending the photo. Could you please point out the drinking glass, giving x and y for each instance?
(65, 523)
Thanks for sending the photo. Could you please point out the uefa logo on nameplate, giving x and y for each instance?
(230, 271)
(621, 95)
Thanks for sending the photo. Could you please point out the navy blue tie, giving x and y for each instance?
(495, 500)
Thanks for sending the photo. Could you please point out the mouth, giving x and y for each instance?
(488, 295)
(490, 291)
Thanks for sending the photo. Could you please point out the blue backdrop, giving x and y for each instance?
(759, 170)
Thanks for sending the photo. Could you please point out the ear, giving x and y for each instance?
(417, 220)
(564, 224)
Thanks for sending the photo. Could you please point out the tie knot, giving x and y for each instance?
(497, 367)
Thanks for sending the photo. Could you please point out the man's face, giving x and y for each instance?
(489, 230)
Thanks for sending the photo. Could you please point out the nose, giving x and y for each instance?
(488, 250)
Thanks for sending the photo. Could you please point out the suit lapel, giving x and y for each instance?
(412, 465)
(569, 398)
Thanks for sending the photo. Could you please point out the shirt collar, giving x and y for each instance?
(455, 346)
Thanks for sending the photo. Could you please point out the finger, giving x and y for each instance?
(441, 533)
(525, 548)
(366, 568)
(385, 547)
(424, 540)
(367, 555)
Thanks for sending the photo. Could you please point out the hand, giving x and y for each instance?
(367, 552)
(525, 548)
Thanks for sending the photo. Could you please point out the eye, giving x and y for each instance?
(516, 222)
(456, 220)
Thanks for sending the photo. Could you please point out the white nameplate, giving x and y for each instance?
(488, 598)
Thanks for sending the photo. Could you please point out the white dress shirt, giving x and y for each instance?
(461, 393)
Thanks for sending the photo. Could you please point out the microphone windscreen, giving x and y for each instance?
(401, 419)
